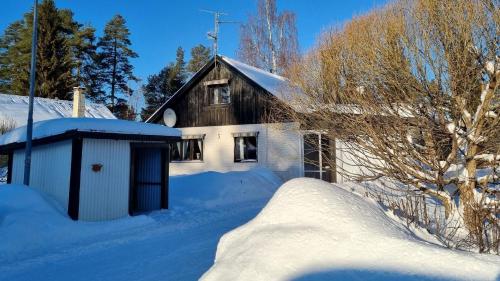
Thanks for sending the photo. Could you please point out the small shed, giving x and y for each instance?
(97, 169)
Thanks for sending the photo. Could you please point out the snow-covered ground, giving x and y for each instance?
(39, 242)
(312, 230)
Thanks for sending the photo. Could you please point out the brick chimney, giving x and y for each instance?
(78, 102)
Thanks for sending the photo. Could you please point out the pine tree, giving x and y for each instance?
(180, 65)
(200, 55)
(87, 72)
(160, 87)
(114, 52)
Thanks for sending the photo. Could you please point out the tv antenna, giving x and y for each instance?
(214, 35)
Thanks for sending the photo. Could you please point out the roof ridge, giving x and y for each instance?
(256, 68)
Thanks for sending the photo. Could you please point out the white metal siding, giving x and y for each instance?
(279, 149)
(50, 169)
(105, 194)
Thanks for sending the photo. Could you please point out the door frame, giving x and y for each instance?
(330, 151)
(165, 159)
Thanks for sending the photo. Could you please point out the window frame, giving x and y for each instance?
(236, 143)
(191, 152)
(215, 91)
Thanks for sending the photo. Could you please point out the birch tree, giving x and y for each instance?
(412, 90)
(269, 39)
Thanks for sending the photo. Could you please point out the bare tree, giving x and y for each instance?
(269, 39)
(412, 91)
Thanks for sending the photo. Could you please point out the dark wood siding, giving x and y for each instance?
(248, 102)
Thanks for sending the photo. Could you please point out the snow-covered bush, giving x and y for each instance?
(413, 91)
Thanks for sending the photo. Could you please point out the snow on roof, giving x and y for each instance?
(278, 86)
(15, 108)
(53, 127)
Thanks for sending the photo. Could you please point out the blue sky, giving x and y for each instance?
(158, 27)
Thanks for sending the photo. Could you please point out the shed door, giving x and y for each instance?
(149, 179)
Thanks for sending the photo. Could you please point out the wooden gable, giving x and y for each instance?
(249, 103)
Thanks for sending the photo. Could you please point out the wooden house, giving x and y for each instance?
(221, 112)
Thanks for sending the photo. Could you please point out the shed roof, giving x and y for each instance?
(63, 128)
(15, 108)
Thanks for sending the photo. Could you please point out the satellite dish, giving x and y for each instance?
(169, 117)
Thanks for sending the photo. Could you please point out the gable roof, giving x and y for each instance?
(15, 108)
(276, 85)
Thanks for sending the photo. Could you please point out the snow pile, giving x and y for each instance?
(59, 126)
(15, 108)
(32, 224)
(213, 189)
(312, 230)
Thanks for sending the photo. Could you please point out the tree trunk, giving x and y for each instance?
(113, 79)
(270, 35)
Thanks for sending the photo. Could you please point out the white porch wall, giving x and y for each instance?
(50, 170)
(346, 161)
(279, 150)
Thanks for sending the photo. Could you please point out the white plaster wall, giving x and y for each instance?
(347, 163)
(104, 195)
(50, 170)
(279, 150)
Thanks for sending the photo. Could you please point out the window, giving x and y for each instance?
(245, 148)
(220, 94)
(187, 150)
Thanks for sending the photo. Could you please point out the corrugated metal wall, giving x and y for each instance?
(104, 194)
(50, 170)
(148, 178)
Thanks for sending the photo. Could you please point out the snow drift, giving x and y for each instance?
(214, 189)
(312, 230)
(32, 224)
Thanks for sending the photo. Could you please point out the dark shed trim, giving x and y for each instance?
(87, 135)
(132, 201)
(10, 162)
(165, 159)
(74, 180)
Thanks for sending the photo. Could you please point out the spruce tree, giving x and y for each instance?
(114, 54)
(200, 55)
(58, 52)
(54, 60)
(9, 56)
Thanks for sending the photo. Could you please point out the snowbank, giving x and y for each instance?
(59, 126)
(32, 224)
(312, 230)
(214, 189)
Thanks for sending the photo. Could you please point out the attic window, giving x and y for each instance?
(219, 94)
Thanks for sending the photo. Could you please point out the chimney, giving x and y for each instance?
(78, 102)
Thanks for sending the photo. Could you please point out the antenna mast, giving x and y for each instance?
(214, 35)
